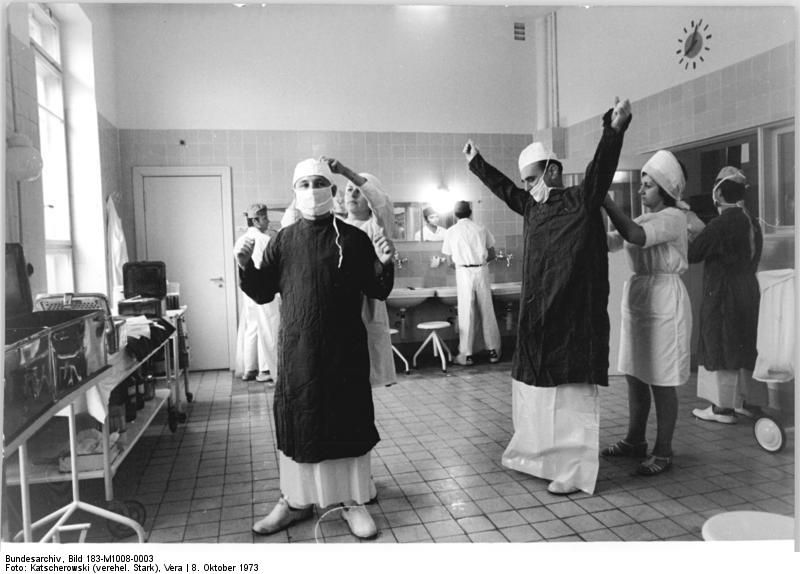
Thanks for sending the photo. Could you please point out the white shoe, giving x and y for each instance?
(263, 377)
(557, 487)
(282, 516)
(360, 521)
(708, 414)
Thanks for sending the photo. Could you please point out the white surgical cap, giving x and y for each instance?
(535, 152)
(732, 174)
(312, 166)
(665, 170)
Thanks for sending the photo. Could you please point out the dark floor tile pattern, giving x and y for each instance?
(438, 470)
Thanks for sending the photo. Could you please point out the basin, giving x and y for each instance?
(408, 297)
(447, 295)
(506, 292)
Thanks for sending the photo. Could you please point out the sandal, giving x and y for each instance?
(624, 448)
(654, 465)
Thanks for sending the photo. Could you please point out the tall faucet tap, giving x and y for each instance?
(399, 261)
(501, 255)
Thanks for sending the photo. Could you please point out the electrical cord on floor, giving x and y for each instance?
(326, 513)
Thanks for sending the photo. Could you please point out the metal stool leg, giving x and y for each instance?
(402, 358)
(437, 342)
(447, 349)
(421, 347)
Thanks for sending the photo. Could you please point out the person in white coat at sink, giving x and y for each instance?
(370, 209)
(470, 247)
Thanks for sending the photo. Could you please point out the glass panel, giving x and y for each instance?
(49, 87)
(785, 187)
(59, 270)
(55, 183)
(43, 31)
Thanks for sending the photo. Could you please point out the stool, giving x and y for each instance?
(439, 347)
(748, 525)
(398, 353)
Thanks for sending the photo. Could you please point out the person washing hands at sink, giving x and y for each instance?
(561, 354)
(369, 208)
(470, 247)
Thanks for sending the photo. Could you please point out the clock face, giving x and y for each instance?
(694, 43)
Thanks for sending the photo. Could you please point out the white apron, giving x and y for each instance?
(656, 312)
(776, 327)
(729, 389)
(340, 480)
(556, 433)
(379, 340)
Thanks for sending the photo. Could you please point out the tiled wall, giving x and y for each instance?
(407, 164)
(750, 93)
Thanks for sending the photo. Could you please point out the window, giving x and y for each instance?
(45, 41)
(778, 196)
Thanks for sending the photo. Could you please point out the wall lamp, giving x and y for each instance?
(23, 161)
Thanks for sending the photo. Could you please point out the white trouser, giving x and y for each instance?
(379, 341)
(327, 482)
(472, 284)
(728, 389)
(257, 337)
(556, 433)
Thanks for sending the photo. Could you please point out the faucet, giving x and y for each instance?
(501, 255)
(399, 261)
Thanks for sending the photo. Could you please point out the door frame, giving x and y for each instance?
(229, 273)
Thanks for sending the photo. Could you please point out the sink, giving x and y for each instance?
(506, 292)
(405, 297)
(448, 295)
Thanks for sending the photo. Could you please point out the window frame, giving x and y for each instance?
(54, 248)
(768, 148)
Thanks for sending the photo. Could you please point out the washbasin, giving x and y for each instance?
(407, 297)
(447, 295)
(506, 292)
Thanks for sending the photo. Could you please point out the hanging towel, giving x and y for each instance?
(117, 253)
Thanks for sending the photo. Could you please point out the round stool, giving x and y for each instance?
(398, 353)
(439, 346)
(748, 525)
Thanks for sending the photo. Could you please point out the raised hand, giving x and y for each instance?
(470, 151)
(621, 115)
(245, 252)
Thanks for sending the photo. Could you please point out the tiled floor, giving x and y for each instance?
(438, 471)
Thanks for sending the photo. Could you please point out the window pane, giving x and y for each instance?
(59, 271)
(44, 31)
(786, 178)
(49, 87)
(55, 184)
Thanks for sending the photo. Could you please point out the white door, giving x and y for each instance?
(184, 218)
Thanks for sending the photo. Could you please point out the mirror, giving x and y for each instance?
(415, 221)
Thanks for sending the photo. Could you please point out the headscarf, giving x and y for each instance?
(665, 170)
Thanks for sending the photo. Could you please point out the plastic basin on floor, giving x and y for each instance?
(506, 292)
(405, 297)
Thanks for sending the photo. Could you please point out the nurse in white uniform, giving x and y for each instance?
(257, 337)
(370, 209)
(656, 313)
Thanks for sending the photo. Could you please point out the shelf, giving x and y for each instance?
(45, 473)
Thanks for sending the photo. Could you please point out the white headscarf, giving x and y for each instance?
(665, 170)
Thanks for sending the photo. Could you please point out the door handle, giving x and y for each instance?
(217, 279)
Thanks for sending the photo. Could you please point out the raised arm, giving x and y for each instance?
(378, 269)
(630, 231)
(262, 284)
(497, 182)
(600, 171)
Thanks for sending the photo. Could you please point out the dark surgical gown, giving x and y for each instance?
(563, 330)
(730, 245)
(323, 400)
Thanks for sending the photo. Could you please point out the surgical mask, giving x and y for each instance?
(314, 202)
(540, 191)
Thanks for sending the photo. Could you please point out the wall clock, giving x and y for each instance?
(694, 44)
